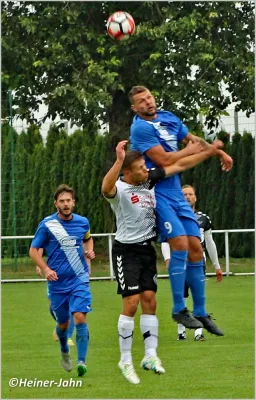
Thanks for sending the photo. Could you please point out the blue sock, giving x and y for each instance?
(196, 281)
(177, 278)
(71, 326)
(63, 337)
(82, 340)
(52, 313)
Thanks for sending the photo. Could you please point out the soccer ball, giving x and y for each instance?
(120, 25)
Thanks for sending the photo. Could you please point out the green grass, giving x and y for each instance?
(220, 368)
(100, 267)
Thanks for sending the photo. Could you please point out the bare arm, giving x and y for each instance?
(36, 255)
(89, 252)
(190, 161)
(163, 158)
(108, 187)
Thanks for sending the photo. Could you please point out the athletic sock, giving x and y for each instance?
(196, 282)
(176, 270)
(181, 329)
(149, 330)
(82, 340)
(63, 338)
(71, 326)
(198, 331)
(125, 332)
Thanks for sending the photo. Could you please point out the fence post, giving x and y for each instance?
(111, 270)
(227, 253)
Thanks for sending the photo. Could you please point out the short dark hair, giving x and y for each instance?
(63, 188)
(136, 90)
(189, 186)
(130, 157)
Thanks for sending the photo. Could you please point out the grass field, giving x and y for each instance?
(220, 368)
(100, 267)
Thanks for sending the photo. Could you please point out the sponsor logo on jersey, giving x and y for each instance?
(135, 199)
(68, 241)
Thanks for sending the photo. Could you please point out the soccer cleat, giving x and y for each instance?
(153, 363)
(210, 326)
(185, 318)
(66, 361)
(70, 342)
(81, 368)
(182, 336)
(129, 372)
(55, 336)
(200, 338)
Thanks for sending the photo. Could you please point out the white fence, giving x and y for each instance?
(110, 237)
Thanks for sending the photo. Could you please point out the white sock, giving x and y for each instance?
(149, 330)
(125, 332)
(198, 331)
(181, 329)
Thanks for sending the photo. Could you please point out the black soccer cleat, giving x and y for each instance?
(200, 338)
(182, 336)
(209, 325)
(185, 318)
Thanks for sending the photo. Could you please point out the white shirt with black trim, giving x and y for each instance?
(134, 207)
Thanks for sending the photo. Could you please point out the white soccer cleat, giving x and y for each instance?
(70, 342)
(66, 361)
(129, 372)
(152, 363)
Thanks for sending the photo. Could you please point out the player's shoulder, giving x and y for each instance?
(80, 218)
(138, 122)
(48, 218)
(167, 116)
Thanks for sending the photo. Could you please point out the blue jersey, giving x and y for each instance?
(63, 243)
(166, 130)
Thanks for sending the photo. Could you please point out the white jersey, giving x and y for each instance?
(134, 207)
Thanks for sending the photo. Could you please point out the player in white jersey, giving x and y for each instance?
(208, 244)
(133, 201)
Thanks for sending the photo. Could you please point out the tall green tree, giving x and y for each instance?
(59, 53)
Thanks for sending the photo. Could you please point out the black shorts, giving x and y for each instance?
(135, 268)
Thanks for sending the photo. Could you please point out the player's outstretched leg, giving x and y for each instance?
(149, 330)
(82, 340)
(125, 331)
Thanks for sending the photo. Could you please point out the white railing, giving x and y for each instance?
(111, 270)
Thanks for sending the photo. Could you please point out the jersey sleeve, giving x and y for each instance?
(40, 237)
(208, 223)
(88, 232)
(155, 175)
(114, 201)
(143, 137)
(183, 132)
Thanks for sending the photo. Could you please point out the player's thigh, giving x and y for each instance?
(148, 273)
(168, 223)
(80, 299)
(126, 264)
(60, 306)
(190, 226)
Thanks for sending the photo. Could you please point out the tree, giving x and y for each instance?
(59, 53)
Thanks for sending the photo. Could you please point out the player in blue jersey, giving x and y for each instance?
(157, 134)
(63, 236)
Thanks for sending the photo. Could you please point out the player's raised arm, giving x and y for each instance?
(108, 187)
(190, 161)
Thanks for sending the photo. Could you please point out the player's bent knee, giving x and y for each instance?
(179, 243)
(130, 305)
(79, 317)
(63, 327)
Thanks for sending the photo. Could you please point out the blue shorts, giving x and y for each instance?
(175, 216)
(78, 299)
